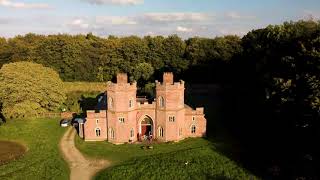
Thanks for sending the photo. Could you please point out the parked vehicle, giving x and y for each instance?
(75, 122)
(64, 123)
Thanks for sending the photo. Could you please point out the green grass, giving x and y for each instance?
(165, 161)
(85, 86)
(43, 159)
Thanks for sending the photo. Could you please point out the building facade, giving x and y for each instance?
(129, 118)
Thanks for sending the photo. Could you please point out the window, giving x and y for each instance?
(98, 132)
(97, 121)
(193, 118)
(180, 131)
(131, 133)
(161, 101)
(193, 129)
(110, 103)
(121, 119)
(130, 103)
(111, 133)
(160, 132)
(171, 118)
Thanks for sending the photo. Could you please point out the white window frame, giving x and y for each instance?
(172, 118)
(121, 119)
(111, 133)
(96, 130)
(131, 133)
(193, 118)
(180, 131)
(161, 102)
(193, 129)
(131, 104)
(110, 102)
(97, 121)
(160, 131)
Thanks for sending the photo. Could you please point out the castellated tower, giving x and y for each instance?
(170, 112)
(121, 105)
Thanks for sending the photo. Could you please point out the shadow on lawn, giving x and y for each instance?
(244, 130)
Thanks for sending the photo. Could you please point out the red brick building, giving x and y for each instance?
(129, 118)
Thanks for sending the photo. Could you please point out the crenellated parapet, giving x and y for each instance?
(92, 114)
(169, 86)
(116, 87)
(146, 105)
(168, 82)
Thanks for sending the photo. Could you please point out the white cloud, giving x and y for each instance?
(308, 14)
(79, 23)
(177, 16)
(238, 16)
(115, 2)
(115, 20)
(183, 29)
(22, 5)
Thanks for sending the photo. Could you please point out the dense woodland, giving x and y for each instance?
(270, 80)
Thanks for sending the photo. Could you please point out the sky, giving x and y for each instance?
(186, 18)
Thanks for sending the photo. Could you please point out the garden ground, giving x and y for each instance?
(194, 158)
(43, 159)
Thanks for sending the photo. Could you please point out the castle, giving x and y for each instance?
(128, 118)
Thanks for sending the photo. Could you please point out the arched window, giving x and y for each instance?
(98, 132)
(130, 103)
(110, 103)
(193, 129)
(160, 132)
(131, 133)
(111, 133)
(161, 101)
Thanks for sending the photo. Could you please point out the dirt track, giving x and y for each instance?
(81, 168)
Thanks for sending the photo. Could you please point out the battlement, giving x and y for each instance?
(167, 78)
(175, 85)
(122, 78)
(96, 114)
(199, 110)
(147, 105)
(121, 87)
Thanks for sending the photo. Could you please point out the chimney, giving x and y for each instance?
(168, 77)
(122, 78)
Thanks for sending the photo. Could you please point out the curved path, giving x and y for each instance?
(81, 168)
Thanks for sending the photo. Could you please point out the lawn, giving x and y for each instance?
(42, 159)
(189, 159)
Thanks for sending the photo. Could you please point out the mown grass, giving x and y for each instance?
(189, 159)
(42, 159)
(85, 86)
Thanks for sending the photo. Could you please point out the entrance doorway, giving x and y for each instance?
(146, 128)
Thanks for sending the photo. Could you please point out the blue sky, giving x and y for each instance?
(187, 18)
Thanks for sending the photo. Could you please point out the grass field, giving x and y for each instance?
(85, 86)
(42, 159)
(165, 161)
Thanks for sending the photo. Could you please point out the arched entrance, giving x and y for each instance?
(146, 128)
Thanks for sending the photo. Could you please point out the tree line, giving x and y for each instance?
(270, 77)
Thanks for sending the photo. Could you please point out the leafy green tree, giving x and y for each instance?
(142, 71)
(28, 89)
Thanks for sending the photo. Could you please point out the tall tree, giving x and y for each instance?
(28, 89)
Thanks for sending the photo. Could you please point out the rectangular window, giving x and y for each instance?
(193, 118)
(121, 119)
(171, 118)
(180, 131)
(97, 121)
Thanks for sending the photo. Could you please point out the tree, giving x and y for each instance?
(28, 89)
